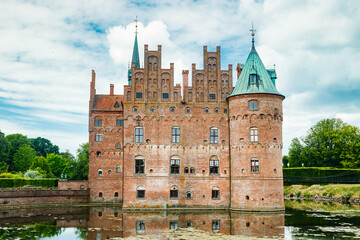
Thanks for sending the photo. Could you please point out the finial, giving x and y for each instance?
(136, 24)
(252, 30)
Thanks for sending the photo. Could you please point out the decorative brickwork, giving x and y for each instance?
(160, 146)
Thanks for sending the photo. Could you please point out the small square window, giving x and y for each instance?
(206, 110)
(152, 109)
(225, 110)
(118, 145)
(215, 194)
(212, 96)
(139, 95)
(165, 95)
(135, 109)
(98, 122)
(187, 110)
(140, 193)
(173, 225)
(119, 122)
(98, 138)
(117, 169)
(216, 110)
(253, 105)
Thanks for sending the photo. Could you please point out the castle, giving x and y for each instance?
(204, 145)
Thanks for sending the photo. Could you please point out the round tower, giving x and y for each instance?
(255, 113)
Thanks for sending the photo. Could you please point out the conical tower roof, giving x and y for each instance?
(135, 56)
(262, 83)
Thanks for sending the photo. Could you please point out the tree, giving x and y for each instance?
(23, 158)
(329, 143)
(4, 149)
(81, 169)
(58, 165)
(43, 146)
(41, 164)
(15, 142)
(285, 161)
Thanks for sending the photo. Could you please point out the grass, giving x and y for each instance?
(330, 190)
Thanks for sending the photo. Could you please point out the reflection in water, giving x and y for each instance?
(108, 222)
(301, 222)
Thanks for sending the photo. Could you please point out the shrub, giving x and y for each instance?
(298, 194)
(20, 182)
(33, 174)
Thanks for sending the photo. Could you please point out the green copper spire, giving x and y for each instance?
(135, 55)
(254, 77)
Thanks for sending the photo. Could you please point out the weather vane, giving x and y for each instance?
(252, 30)
(136, 24)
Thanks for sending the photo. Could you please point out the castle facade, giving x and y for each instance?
(205, 145)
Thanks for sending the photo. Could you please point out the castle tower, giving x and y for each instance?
(255, 113)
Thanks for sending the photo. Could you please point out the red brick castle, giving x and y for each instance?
(205, 145)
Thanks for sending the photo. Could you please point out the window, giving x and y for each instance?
(206, 110)
(214, 135)
(98, 154)
(118, 145)
(100, 194)
(175, 135)
(188, 195)
(192, 170)
(117, 169)
(139, 134)
(82, 187)
(215, 193)
(139, 95)
(135, 109)
(216, 110)
(212, 96)
(152, 109)
(140, 227)
(116, 194)
(174, 192)
(225, 110)
(98, 138)
(253, 105)
(149, 94)
(165, 95)
(187, 110)
(174, 166)
(100, 173)
(173, 225)
(119, 122)
(186, 170)
(98, 122)
(254, 134)
(214, 165)
(139, 165)
(216, 225)
(172, 109)
(254, 165)
(140, 192)
(188, 223)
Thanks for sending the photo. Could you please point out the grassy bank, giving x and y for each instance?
(329, 190)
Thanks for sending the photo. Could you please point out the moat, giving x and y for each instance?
(301, 220)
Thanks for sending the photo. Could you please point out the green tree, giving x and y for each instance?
(41, 164)
(15, 142)
(43, 146)
(58, 164)
(23, 158)
(329, 143)
(81, 168)
(285, 161)
(4, 150)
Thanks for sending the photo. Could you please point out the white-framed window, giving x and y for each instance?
(254, 134)
(100, 173)
(139, 134)
(98, 138)
(214, 135)
(175, 134)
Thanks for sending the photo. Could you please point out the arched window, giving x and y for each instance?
(214, 165)
(139, 134)
(174, 192)
(100, 194)
(187, 110)
(139, 165)
(192, 170)
(254, 134)
(175, 165)
(214, 135)
(172, 109)
(149, 94)
(140, 192)
(186, 170)
(118, 145)
(98, 154)
(118, 169)
(254, 165)
(100, 173)
(188, 195)
(215, 193)
(152, 109)
(206, 110)
(116, 194)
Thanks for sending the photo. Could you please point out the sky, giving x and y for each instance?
(48, 49)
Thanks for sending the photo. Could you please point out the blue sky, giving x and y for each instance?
(48, 49)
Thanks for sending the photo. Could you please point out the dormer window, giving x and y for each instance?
(253, 76)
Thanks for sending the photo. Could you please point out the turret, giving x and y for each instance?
(255, 112)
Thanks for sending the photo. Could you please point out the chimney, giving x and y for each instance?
(111, 89)
(185, 74)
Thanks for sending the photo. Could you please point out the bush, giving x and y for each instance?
(33, 174)
(298, 194)
(20, 182)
